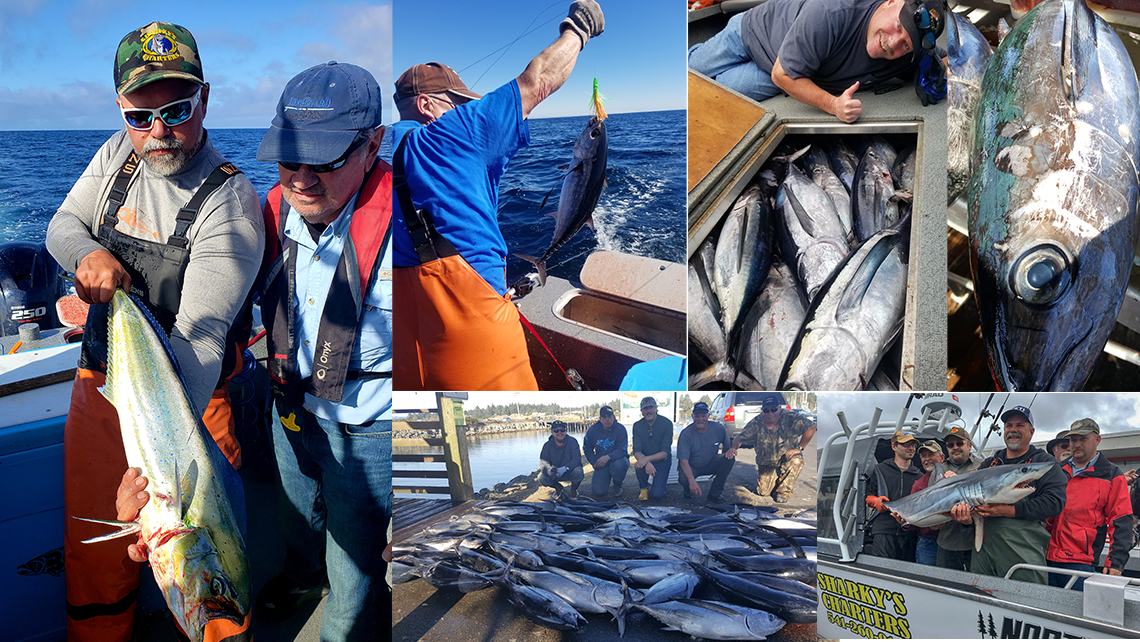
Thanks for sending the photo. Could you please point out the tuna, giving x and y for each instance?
(853, 321)
(743, 256)
(714, 620)
(817, 165)
(581, 190)
(874, 199)
(1053, 196)
(193, 525)
(969, 53)
(812, 238)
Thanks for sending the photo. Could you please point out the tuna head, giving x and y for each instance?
(1013, 485)
(1053, 196)
(193, 576)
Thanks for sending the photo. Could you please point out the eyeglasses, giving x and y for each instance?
(929, 23)
(558, 430)
(767, 410)
(327, 167)
(173, 114)
(443, 100)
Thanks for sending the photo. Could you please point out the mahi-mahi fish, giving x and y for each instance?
(1006, 484)
(193, 523)
(581, 190)
(1053, 195)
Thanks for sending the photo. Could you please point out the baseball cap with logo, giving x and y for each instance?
(700, 406)
(322, 112)
(648, 402)
(432, 78)
(901, 437)
(1018, 410)
(158, 51)
(960, 432)
(605, 411)
(924, 21)
(1084, 426)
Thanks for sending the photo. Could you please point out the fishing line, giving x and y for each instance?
(505, 48)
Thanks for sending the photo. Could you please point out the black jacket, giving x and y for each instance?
(897, 485)
(1049, 498)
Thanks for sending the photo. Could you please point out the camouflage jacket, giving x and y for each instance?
(771, 445)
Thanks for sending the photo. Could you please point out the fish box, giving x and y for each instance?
(918, 359)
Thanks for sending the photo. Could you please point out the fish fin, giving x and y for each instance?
(864, 275)
(564, 167)
(124, 528)
(544, 199)
(937, 475)
(979, 531)
(605, 182)
(538, 263)
(590, 222)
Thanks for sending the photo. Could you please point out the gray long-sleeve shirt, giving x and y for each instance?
(226, 244)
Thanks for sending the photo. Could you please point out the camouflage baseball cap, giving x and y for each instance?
(1084, 426)
(157, 51)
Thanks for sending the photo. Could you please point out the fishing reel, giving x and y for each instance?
(930, 79)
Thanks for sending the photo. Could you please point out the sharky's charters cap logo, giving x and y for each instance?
(158, 51)
(322, 112)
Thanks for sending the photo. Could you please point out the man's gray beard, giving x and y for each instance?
(165, 164)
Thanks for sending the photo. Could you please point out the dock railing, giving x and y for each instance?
(453, 441)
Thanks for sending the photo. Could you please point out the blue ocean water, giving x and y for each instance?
(641, 211)
(38, 168)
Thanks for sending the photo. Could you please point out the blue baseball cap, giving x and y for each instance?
(322, 112)
(1017, 410)
(700, 407)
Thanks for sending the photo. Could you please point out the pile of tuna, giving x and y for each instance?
(803, 286)
(753, 571)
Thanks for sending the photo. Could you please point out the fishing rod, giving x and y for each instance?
(505, 48)
(984, 413)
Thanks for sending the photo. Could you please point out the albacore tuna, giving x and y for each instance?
(1053, 195)
(581, 190)
(968, 55)
(193, 523)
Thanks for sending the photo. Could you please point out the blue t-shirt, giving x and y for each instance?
(453, 167)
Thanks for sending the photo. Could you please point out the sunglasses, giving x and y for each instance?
(559, 430)
(173, 114)
(767, 410)
(929, 23)
(327, 167)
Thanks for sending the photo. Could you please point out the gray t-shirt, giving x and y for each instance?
(227, 241)
(823, 40)
(700, 448)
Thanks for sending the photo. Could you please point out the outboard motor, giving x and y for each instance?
(29, 286)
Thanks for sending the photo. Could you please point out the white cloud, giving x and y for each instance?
(76, 105)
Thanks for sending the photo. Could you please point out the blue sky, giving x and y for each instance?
(56, 56)
(639, 60)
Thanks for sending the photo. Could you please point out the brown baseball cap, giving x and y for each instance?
(902, 438)
(960, 432)
(432, 78)
(1084, 426)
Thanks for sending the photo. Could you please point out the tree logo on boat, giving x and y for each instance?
(50, 563)
(1014, 629)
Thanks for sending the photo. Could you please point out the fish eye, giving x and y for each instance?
(1042, 275)
(217, 587)
(593, 133)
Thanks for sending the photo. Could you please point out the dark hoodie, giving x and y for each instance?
(1049, 498)
(568, 455)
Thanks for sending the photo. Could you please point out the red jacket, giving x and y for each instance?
(1096, 506)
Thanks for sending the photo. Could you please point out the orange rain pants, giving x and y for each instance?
(453, 331)
(102, 582)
